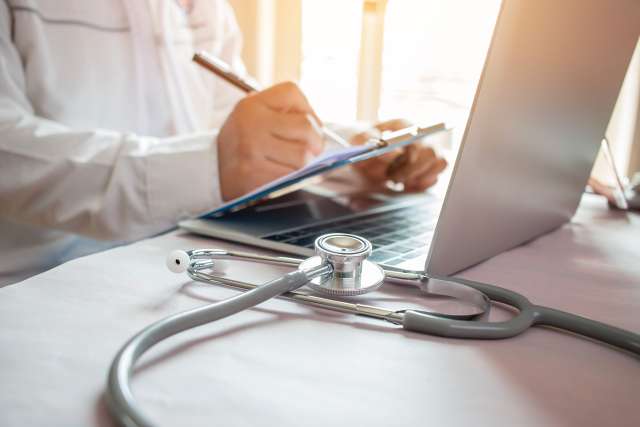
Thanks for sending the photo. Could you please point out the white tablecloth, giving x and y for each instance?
(289, 365)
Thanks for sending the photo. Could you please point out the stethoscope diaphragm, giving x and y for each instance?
(352, 273)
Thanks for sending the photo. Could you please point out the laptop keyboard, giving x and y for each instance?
(398, 235)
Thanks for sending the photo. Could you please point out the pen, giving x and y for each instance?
(224, 71)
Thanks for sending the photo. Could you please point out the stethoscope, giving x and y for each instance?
(341, 269)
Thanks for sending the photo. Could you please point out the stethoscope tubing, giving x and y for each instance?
(127, 412)
(119, 394)
(617, 337)
(528, 315)
(451, 326)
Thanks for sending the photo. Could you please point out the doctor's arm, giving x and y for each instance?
(99, 183)
(122, 186)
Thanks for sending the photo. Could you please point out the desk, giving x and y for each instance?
(291, 365)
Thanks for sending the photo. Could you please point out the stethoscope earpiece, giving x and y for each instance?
(178, 261)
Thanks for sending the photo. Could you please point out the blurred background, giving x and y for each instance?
(380, 59)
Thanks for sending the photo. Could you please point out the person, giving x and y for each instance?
(108, 131)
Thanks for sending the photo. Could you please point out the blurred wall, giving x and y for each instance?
(624, 129)
(272, 49)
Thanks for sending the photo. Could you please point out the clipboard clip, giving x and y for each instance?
(402, 135)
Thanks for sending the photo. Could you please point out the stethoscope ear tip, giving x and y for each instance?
(178, 261)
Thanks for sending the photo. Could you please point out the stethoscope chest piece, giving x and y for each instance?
(352, 273)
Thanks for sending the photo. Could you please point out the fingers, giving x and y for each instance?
(417, 169)
(427, 178)
(291, 154)
(296, 127)
(267, 172)
(393, 124)
(374, 171)
(407, 171)
(416, 166)
(286, 97)
(290, 119)
(363, 138)
(399, 164)
(602, 189)
(267, 135)
(289, 140)
(376, 133)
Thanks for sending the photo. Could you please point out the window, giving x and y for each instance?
(430, 59)
(330, 52)
(433, 56)
(380, 59)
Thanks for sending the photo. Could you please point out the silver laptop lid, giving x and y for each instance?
(548, 88)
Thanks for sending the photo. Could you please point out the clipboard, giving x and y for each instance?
(327, 162)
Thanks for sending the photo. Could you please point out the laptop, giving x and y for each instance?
(549, 85)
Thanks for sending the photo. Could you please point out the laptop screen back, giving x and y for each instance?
(549, 85)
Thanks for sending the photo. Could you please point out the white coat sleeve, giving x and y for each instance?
(99, 183)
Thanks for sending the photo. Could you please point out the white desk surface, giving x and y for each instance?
(289, 365)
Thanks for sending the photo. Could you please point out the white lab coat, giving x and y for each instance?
(107, 129)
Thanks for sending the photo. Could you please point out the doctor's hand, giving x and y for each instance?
(416, 166)
(267, 135)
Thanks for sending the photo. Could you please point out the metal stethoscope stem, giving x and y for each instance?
(479, 295)
(203, 260)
